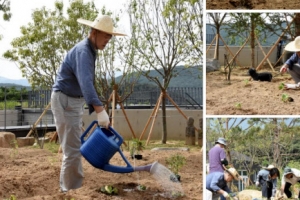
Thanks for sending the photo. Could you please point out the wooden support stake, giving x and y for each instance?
(264, 53)
(230, 51)
(278, 40)
(147, 124)
(123, 110)
(113, 108)
(237, 53)
(210, 44)
(154, 118)
(179, 110)
(39, 119)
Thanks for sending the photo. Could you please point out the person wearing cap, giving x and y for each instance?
(267, 179)
(216, 183)
(73, 87)
(290, 177)
(292, 65)
(217, 156)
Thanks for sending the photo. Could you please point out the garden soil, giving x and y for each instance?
(33, 174)
(252, 4)
(243, 96)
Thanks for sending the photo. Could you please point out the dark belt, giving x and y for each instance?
(78, 97)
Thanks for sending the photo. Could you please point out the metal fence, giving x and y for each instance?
(183, 97)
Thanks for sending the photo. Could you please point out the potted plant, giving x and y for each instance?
(135, 149)
(175, 163)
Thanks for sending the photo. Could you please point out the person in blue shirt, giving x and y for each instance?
(216, 183)
(73, 87)
(292, 65)
(267, 179)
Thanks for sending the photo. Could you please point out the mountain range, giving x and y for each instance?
(186, 77)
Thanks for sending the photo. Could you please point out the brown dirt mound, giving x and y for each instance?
(33, 174)
(243, 97)
(251, 4)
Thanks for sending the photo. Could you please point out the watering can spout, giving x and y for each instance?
(146, 168)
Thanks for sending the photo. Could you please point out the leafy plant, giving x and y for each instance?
(141, 187)
(281, 86)
(12, 197)
(246, 81)
(108, 189)
(238, 105)
(176, 162)
(136, 146)
(284, 97)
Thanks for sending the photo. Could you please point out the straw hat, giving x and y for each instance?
(294, 45)
(233, 173)
(102, 23)
(221, 141)
(269, 167)
(287, 170)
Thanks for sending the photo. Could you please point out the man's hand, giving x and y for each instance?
(103, 119)
(283, 69)
(225, 194)
(257, 183)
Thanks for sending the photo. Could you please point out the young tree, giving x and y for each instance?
(162, 41)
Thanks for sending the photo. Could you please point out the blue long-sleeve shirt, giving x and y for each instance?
(293, 60)
(264, 174)
(215, 181)
(76, 74)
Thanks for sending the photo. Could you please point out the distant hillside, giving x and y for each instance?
(21, 82)
(187, 77)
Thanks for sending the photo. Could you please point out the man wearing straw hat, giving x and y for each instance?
(73, 87)
(217, 156)
(290, 177)
(292, 65)
(216, 183)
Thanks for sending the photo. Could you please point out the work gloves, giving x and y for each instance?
(257, 183)
(103, 119)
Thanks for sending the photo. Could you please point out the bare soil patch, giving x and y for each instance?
(249, 98)
(33, 174)
(251, 4)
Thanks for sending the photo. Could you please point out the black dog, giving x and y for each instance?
(264, 76)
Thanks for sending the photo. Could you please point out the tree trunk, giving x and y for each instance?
(164, 120)
(297, 24)
(252, 40)
(276, 147)
(217, 42)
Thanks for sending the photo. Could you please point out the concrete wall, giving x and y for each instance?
(244, 56)
(176, 123)
(11, 117)
(138, 118)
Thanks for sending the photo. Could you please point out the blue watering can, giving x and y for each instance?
(101, 146)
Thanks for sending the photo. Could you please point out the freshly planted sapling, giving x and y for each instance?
(175, 163)
(281, 86)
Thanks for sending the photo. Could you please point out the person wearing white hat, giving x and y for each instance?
(292, 65)
(217, 156)
(216, 184)
(73, 87)
(290, 177)
(267, 179)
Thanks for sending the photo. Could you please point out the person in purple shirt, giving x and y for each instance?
(292, 65)
(73, 87)
(216, 184)
(217, 156)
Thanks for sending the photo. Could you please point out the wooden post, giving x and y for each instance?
(264, 53)
(39, 119)
(271, 50)
(217, 46)
(229, 51)
(190, 132)
(122, 107)
(154, 118)
(113, 105)
(210, 44)
(147, 124)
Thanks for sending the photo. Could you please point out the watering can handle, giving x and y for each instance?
(87, 130)
(117, 135)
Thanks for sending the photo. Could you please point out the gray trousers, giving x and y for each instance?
(294, 71)
(68, 113)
